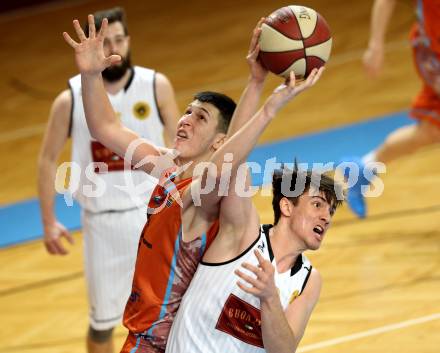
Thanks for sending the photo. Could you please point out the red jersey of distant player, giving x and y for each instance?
(425, 37)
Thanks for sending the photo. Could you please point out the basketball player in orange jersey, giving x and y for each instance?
(176, 236)
(144, 100)
(425, 41)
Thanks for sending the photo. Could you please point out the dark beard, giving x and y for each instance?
(116, 72)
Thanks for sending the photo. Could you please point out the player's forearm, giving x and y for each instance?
(243, 141)
(277, 334)
(99, 113)
(380, 17)
(107, 128)
(46, 190)
(247, 105)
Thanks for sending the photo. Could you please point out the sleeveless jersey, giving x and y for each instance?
(165, 265)
(216, 316)
(136, 106)
(428, 15)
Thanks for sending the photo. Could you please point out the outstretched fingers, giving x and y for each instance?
(314, 76)
(112, 60)
(253, 55)
(255, 36)
(103, 29)
(291, 80)
(319, 74)
(311, 79)
(79, 31)
(254, 282)
(92, 28)
(69, 40)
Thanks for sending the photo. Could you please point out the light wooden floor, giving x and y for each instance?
(381, 275)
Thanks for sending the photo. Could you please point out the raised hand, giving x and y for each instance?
(285, 92)
(89, 52)
(373, 59)
(52, 239)
(263, 285)
(258, 71)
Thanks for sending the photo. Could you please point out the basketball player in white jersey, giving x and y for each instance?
(144, 101)
(269, 309)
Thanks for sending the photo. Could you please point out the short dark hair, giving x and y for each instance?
(115, 14)
(223, 103)
(327, 185)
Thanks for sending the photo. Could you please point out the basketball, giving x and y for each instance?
(294, 38)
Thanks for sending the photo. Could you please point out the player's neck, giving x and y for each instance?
(116, 86)
(285, 248)
(190, 164)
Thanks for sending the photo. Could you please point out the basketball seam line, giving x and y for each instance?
(302, 40)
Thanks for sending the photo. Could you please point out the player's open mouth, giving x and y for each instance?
(318, 230)
(181, 134)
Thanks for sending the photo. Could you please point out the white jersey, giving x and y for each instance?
(216, 316)
(95, 189)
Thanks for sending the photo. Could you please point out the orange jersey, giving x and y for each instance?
(165, 265)
(428, 15)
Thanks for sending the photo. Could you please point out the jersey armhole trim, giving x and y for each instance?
(307, 279)
(69, 132)
(266, 228)
(130, 79)
(233, 259)
(156, 101)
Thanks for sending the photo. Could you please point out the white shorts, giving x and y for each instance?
(110, 249)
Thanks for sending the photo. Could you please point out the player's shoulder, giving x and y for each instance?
(75, 81)
(162, 79)
(315, 276)
(63, 100)
(314, 284)
(143, 71)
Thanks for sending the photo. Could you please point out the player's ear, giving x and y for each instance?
(286, 207)
(219, 140)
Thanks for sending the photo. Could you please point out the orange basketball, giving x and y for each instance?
(294, 38)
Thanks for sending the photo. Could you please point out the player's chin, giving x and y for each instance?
(314, 246)
(180, 144)
(117, 64)
(314, 242)
(183, 150)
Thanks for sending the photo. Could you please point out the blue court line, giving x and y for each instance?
(21, 221)
(329, 145)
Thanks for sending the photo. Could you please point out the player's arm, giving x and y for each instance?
(380, 17)
(242, 142)
(282, 331)
(55, 137)
(250, 98)
(234, 209)
(101, 119)
(167, 105)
